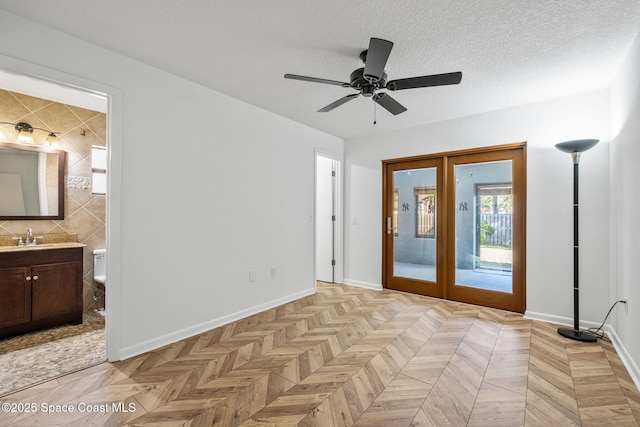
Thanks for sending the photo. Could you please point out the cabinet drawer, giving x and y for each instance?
(37, 257)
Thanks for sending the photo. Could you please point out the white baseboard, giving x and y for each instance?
(558, 320)
(624, 355)
(359, 284)
(172, 337)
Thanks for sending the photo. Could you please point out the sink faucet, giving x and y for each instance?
(31, 239)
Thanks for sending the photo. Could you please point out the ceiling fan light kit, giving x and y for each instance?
(372, 78)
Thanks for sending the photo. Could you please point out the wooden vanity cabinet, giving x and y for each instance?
(40, 288)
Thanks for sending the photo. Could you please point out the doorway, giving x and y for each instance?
(80, 118)
(327, 219)
(454, 226)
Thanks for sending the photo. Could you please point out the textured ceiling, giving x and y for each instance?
(510, 52)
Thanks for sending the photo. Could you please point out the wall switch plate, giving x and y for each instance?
(273, 272)
(252, 275)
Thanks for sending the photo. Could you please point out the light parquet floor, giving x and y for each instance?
(349, 356)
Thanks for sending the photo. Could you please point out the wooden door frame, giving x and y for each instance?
(445, 252)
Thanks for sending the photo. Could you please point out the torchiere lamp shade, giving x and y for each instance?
(577, 145)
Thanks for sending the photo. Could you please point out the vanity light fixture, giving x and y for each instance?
(51, 141)
(25, 134)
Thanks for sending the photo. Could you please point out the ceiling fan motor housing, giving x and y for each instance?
(359, 82)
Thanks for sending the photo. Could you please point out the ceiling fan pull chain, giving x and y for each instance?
(374, 113)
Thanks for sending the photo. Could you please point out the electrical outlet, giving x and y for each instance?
(252, 276)
(273, 272)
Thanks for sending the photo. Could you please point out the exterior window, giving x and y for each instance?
(425, 211)
(495, 198)
(98, 170)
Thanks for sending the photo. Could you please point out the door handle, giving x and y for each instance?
(389, 227)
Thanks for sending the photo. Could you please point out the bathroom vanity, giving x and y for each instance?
(40, 286)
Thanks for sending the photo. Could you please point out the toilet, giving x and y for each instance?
(100, 266)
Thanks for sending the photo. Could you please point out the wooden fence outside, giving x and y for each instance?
(501, 224)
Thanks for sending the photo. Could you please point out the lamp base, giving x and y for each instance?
(584, 336)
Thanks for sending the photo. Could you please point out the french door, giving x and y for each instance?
(454, 226)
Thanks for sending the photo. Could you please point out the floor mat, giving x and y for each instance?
(42, 355)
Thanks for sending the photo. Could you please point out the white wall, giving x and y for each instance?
(625, 181)
(205, 189)
(549, 196)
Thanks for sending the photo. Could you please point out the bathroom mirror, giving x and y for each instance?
(31, 182)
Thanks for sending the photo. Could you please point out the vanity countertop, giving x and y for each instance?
(41, 247)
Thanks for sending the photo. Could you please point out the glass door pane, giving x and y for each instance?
(483, 225)
(414, 223)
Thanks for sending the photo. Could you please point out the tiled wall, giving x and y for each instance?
(84, 213)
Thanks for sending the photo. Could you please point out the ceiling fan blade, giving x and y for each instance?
(315, 80)
(425, 81)
(377, 56)
(389, 104)
(338, 103)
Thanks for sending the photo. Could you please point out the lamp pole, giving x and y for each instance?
(575, 148)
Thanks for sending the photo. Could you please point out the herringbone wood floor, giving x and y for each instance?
(349, 356)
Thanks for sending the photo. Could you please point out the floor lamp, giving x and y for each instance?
(575, 148)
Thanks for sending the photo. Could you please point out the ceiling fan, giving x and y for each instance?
(370, 79)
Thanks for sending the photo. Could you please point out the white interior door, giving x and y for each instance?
(325, 218)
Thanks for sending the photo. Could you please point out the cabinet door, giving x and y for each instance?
(57, 289)
(15, 296)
